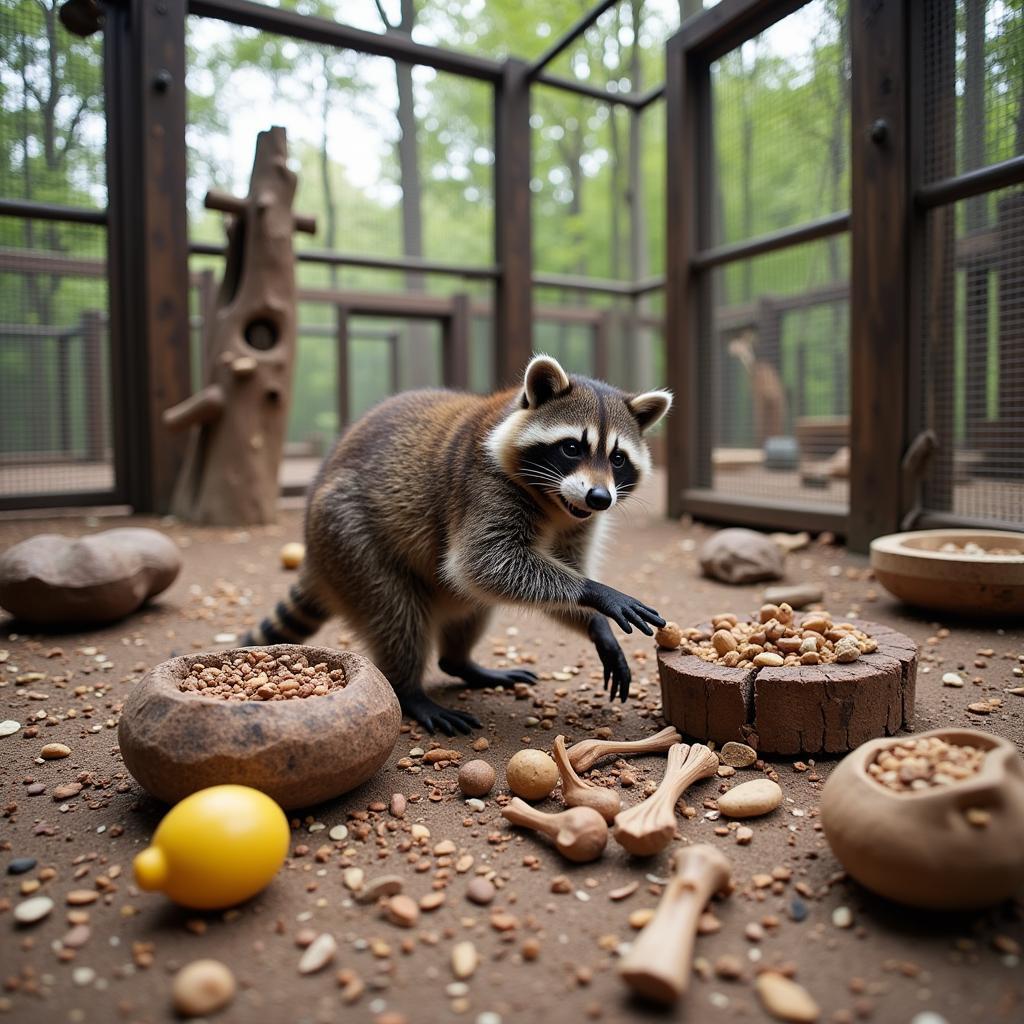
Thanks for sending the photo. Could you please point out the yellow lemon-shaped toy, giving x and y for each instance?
(216, 848)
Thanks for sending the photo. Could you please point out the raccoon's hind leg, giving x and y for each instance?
(458, 638)
(398, 633)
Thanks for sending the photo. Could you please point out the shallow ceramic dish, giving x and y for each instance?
(300, 751)
(920, 848)
(912, 567)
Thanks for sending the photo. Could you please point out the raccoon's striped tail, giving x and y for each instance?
(293, 619)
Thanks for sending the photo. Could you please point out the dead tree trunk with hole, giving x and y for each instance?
(238, 420)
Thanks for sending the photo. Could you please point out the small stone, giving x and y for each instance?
(842, 917)
(52, 751)
(744, 834)
(476, 778)
(397, 805)
(624, 891)
(531, 774)
(751, 799)
(77, 937)
(402, 911)
(978, 817)
(20, 865)
(952, 679)
(339, 833)
(729, 967)
(318, 954)
(431, 901)
(379, 888)
(797, 909)
(82, 897)
(785, 999)
(67, 791)
(737, 755)
(292, 555)
(83, 976)
(480, 891)
(202, 987)
(464, 960)
(9, 727)
(640, 918)
(769, 659)
(797, 596)
(33, 910)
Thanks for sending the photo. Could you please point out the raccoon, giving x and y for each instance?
(437, 505)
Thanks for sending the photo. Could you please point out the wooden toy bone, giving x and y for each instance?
(657, 965)
(580, 834)
(648, 828)
(585, 754)
(577, 793)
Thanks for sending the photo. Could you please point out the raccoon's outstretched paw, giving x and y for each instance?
(476, 677)
(433, 716)
(616, 667)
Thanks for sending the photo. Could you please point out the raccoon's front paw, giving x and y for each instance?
(433, 716)
(476, 677)
(625, 610)
(616, 668)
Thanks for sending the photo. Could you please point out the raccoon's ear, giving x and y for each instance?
(649, 407)
(544, 379)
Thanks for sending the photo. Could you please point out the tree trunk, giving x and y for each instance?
(230, 475)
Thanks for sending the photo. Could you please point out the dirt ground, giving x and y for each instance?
(891, 965)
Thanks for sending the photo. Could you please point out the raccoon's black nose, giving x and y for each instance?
(598, 498)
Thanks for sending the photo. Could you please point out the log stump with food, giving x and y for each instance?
(786, 683)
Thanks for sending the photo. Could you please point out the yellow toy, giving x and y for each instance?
(216, 848)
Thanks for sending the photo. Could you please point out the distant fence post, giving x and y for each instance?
(341, 370)
(455, 345)
(513, 300)
(95, 403)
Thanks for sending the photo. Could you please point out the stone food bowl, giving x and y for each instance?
(299, 752)
(919, 848)
(914, 568)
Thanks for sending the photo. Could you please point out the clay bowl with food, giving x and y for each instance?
(968, 572)
(302, 724)
(954, 843)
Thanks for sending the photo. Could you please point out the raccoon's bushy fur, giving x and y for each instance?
(436, 506)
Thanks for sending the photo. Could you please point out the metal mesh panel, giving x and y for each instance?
(973, 356)
(775, 376)
(781, 125)
(972, 92)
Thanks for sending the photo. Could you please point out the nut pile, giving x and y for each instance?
(916, 764)
(257, 675)
(976, 550)
(775, 639)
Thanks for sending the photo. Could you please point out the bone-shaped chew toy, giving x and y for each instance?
(648, 827)
(657, 965)
(585, 754)
(580, 834)
(577, 793)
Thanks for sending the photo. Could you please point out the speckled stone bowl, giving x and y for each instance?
(920, 848)
(300, 751)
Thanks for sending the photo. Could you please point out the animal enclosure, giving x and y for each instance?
(828, 273)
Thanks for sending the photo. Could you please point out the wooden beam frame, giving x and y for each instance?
(879, 278)
(534, 68)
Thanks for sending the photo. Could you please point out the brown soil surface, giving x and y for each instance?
(891, 964)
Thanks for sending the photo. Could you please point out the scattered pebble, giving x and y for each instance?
(531, 774)
(737, 755)
(402, 911)
(33, 910)
(318, 954)
(480, 891)
(842, 917)
(952, 679)
(202, 987)
(751, 799)
(9, 727)
(476, 778)
(53, 751)
(785, 999)
(292, 555)
(378, 888)
(464, 960)
(20, 865)
(339, 833)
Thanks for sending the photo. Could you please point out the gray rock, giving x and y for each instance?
(799, 595)
(741, 556)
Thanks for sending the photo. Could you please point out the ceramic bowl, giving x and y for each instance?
(912, 567)
(300, 751)
(920, 848)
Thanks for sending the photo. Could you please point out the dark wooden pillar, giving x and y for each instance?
(1010, 435)
(96, 397)
(147, 242)
(513, 300)
(455, 345)
(602, 344)
(879, 269)
(342, 362)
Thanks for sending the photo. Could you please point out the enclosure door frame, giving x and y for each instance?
(691, 258)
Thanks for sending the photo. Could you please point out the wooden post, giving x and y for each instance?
(1010, 430)
(602, 344)
(147, 242)
(96, 398)
(455, 345)
(513, 300)
(239, 419)
(341, 367)
(62, 344)
(880, 207)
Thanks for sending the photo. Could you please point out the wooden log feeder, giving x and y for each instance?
(239, 418)
(794, 709)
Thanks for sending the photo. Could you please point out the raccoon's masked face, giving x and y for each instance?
(576, 443)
